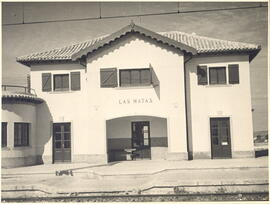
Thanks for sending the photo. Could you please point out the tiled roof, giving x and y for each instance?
(209, 45)
(8, 96)
(188, 42)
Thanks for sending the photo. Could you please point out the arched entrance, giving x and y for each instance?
(136, 138)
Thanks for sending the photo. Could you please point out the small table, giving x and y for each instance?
(129, 153)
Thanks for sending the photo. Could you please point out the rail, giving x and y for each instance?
(226, 196)
(19, 89)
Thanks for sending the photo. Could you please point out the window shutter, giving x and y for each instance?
(202, 75)
(154, 78)
(75, 81)
(108, 77)
(4, 134)
(46, 81)
(233, 73)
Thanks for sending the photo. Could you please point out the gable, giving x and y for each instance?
(132, 28)
(135, 51)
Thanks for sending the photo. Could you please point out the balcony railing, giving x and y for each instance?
(18, 89)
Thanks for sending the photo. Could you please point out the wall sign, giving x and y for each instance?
(135, 101)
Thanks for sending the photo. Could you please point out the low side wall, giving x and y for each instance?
(20, 161)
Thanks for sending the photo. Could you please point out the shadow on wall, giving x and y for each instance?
(155, 81)
(44, 133)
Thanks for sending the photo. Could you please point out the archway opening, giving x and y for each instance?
(137, 138)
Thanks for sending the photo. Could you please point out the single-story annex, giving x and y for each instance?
(131, 95)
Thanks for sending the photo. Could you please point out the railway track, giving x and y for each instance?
(245, 196)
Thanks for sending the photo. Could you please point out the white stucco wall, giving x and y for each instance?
(68, 106)
(89, 108)
(136, 52)
(231, 100)
(12, 113)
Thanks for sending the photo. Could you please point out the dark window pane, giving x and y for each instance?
(57, 82)
(145, 77)
(146, 142)
(215, 132)
(61, 82)
(67, 127)
(57, 128)
(4, 134)
(215, 140)
(217, 75)
(67, 144)
(125, 77)
(213, 76)
(65, 84)
(214, 123)
(21, 134)
(24, 135)
(135, 77)
(221, 72)
(57, 136)
(66, 136)
(58, 145)
(224, 123)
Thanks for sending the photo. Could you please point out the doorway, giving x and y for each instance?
(140, 139)
(61, 142)
(220, 138)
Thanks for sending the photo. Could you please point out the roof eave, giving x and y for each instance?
(42, 61)
(253, 54)
(21, 98)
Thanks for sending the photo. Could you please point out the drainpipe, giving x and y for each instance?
(185, 87)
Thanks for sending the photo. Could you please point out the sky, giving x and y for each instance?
(246, 25)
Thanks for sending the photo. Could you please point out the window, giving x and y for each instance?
(135, 77)
(21, 134)
(217, 75)
(61, 82)
(4, 134)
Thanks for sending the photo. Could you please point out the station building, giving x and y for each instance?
(137, 93)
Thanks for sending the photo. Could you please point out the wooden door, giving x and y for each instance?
(61, 142)
(141, 139)
(220, 137)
